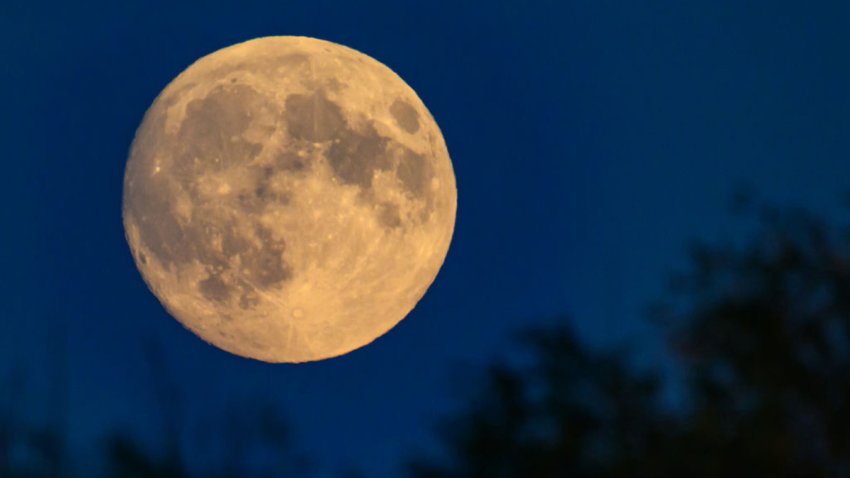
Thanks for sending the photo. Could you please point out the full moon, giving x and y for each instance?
(288, 199)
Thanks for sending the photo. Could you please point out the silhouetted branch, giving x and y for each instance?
(168, 398)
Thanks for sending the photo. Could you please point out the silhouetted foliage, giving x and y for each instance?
(126, 459)
(567, 413)
(762, 334)
(254, 440)
(764, 331)
(255, 444)
(27, 450)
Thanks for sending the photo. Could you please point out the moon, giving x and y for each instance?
(288, 199)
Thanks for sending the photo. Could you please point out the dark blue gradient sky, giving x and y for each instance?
(591, 140)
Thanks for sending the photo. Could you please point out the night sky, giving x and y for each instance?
(591, 141)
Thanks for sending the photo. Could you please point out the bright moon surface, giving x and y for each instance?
(289, 199)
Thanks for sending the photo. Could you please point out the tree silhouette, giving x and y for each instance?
(567, 413)
(256, 443)
(30, 449)
(255, 440)
(127, 459)
(762, 333)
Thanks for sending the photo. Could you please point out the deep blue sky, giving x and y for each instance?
(590, 141)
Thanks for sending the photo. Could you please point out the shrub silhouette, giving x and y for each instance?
(761, 333)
